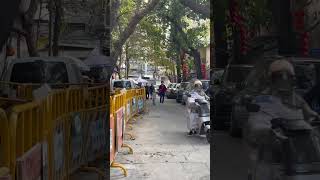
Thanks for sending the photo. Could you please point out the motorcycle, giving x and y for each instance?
(292, 150)
(198, 109)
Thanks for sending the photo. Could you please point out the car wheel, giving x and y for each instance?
(234, 130)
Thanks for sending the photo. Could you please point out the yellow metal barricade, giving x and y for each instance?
(4, 140)
(69, 122)
(27, 127)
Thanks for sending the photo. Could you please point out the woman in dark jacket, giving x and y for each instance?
(162, 91)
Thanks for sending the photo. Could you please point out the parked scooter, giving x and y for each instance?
(292, 151)
(199, 116)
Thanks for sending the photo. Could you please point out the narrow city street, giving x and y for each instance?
(162, 149)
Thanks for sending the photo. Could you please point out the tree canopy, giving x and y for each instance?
(159, 37)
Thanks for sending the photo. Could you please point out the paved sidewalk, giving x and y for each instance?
(162, 149)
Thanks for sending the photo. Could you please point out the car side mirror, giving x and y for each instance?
(253, 107)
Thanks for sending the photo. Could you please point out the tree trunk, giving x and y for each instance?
(220, 34)
(57, 27)
(197, 62)
(9, 10)
(120, 64)
(127, 61)
(38, 25)
(178, 67)
(282, 16)
(28, 26)
(182, 61)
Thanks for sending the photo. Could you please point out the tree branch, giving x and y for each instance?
(127, 32)
(197, 8)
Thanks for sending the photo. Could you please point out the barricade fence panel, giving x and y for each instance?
(69, 125)
(4, 140)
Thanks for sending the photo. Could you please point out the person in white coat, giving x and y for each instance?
(196, 93)
(279, 100)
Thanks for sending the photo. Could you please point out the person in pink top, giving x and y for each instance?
(162, 91)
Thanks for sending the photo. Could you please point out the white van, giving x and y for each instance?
(41, 70)
(123, 83)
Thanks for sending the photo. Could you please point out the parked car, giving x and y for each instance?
(174, 90)
(232, 83)
(306, 76)
(170, 91)
(41, 70)
(124, 83)
(181, 90)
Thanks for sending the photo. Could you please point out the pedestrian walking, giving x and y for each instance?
(153, 94)
(147, 91)
(162, 91)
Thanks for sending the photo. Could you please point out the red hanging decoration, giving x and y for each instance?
(203, 71)
(299, 24)
(305, 44)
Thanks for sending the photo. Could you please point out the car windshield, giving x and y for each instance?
(122, 84)
(170, 85)
(39, 72)
(237, 74)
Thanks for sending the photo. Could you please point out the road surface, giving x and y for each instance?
(229, 157)
(162, 149)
